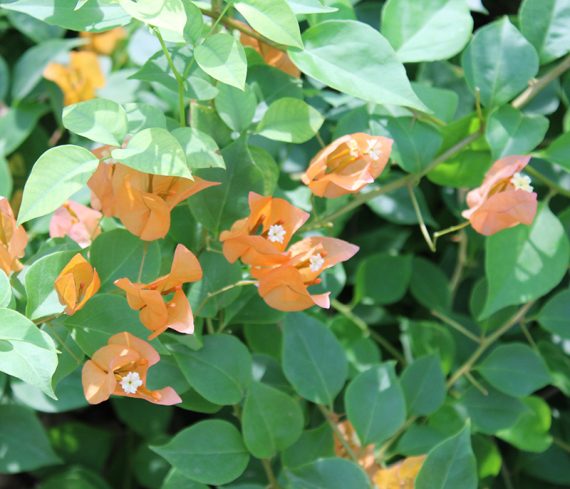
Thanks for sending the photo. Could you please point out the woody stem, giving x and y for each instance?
(273, 484)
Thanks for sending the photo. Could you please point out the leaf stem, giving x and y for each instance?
(273, 484)
(241, 283)
(421, 223)
(456, 325)
(144, 253)
(328, 416)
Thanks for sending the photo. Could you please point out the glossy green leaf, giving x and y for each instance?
(332, 473)
(56, 176)
(290, 120)
(16, 125)
(6, 181)
(313, 360)
(465, 170)
(236, 107)
(177, 480)
(515, 369)
(426, 30)
(169, 15)
(100, 120)
(423, 384)
(375, 404)
(396, 272)
(525, 262)
(429, 338)
(429, 285)
(210, 452)
(310, 7)
(449, 465)
(555, 314)
(313, 444)
(223, 58)
(271, 421)
(142, 116)
(200, 149)
(355, 59)
(559, 151)
(27, 352)
(499, 62)
(5, 290)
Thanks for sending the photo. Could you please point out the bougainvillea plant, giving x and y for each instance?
(284, 244)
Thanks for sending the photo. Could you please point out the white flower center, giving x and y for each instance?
(353, 146)
(374, 149)
(316, 262)
(131, 382)
(276, 233)
(522, 182)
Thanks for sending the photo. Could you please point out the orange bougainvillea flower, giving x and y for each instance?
(156, 314)
(77, 221)
(272, 56)
(76, 284)
(365, 454)
(80, 79)
(103, 42)
(141, 201)
(120, 368)
(505, 198)
(285, 286)
(13, 239)
(401, 475)
(347, 165)
(261, 238)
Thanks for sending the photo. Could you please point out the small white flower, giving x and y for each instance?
(131, 382)
(374, 149)
(276, 233)
(522, 182)
(316, 262)
(353, 146)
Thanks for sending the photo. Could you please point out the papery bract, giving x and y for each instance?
(156, 314)
(504, 199)
(76, 284)
(120, 368)
(347, 165)
(365, 454)
(103, 42)
(80, 79)
(13, 239)
(77, 221)
(401, 475)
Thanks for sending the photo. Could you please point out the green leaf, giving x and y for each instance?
(558, 363)
(424, 386)
(546, 24)
(510, 132)
(429, 338)
(466, 169)
(428, 30)
(515, 369)
(100, 120)
(531, 431)
(271, 421)
(559, 151)
(40, 278)
(56, 176)
(96, 15)
(169, 15)
(429, 285)
(499, 62)
(27, 352)
(524, 263)
(290, 120)
(154, 151)
(223, 58)
(142, 116)
(416, 143)
(273, 19)
(449, 465)
(443, 103)
(200, 149)
(17, 124)
(4, 78)
(177, 480)
(119, 254)
(220, 371)
(332, 473)
(312, 445)
(236, 107)
(375, 404)
(355, 59)
(25, 446)
(211, 452)
(300, 7)
(5, 290)
(555, 314)
(313, 360)
(6, 182)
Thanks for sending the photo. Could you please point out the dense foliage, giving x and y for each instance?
(284, 244)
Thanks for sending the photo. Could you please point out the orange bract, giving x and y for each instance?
(77, 221)
(365, 454)
(140, 200)
(103, 42)
(156, 314)
(76, 284)
(401, 475)
(347, 165)
(261, 238)
(13, 239)
(120, 368)
(504, 199)
(80, 79)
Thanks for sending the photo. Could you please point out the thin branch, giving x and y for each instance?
(273, 484)
(456, 325)
(421, 223)
(241, 283)
(328, 416)
(145, 251)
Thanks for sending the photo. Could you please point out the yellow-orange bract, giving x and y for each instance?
(13, 239)
(80, 79)
(77, 221)
(76, 284)
(261, 238)
(103, 42)
(347, 165)
(365, 454)
(140, 200)
(504, 199)
(156, 314)
(401, 475)
(120, 368)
